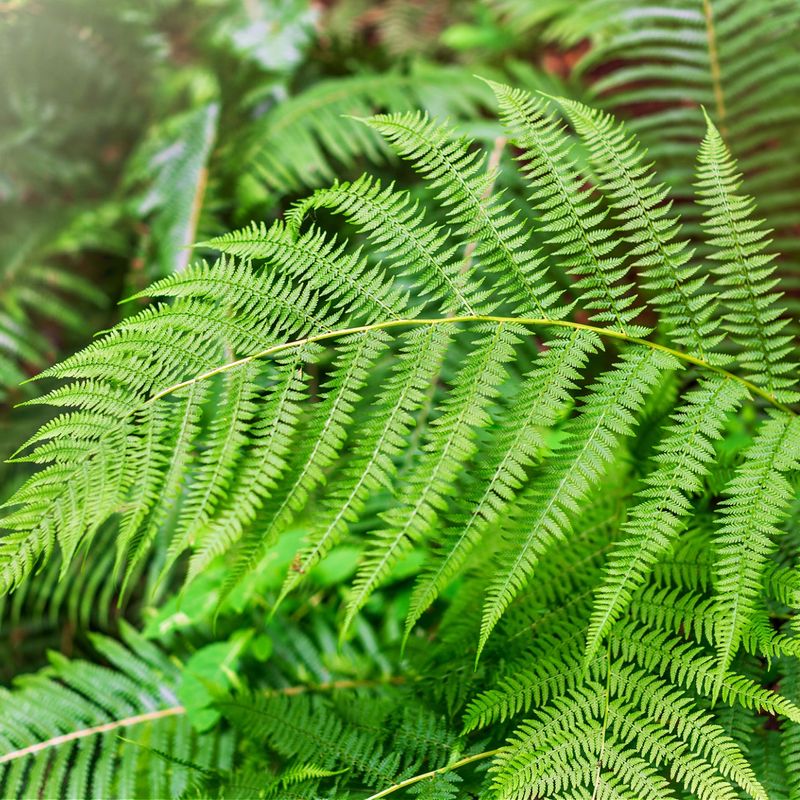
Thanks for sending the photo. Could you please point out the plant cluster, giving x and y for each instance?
(473, 474)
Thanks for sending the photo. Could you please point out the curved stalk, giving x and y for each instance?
(527, 322)
(417, 778)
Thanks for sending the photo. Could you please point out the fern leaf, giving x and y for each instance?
(451, 443)
(263, 463)
(292, 146)
(538, 405)
(569, 216)
(322, 264)
(382, 439)
(213, 476)
(60, 729)
(160, 463)
(756, 498)
(545, 514)
(650, 227)
(394, 223)
(458, 176)
(676, 712)
(324, 437)
(753, 318)
(683, 458)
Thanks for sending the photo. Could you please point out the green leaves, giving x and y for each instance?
(536, 432)
(77, 729)
(755, 501)
(463, 187)
(745, 272)
(543, 516)
(682, 461)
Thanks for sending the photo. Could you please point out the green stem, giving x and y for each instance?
(528, 322)
(417, 778)
(607, 702)
(716, 73)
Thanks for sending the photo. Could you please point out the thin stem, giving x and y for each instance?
(150, 716)
(600, 757)
(528, 322)
(417, 778)
(174, 711)
(716, 75)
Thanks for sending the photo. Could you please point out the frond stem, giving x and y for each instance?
(434, 772)
(716, 74)
(607, 702)
(173, 711)
(528, 322)
(150, 716)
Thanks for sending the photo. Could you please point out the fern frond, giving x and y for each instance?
(292, 146)
(320, 263)
(569, 215)
(540, 401)
(382, 439)
(77, 729)
(325, 436)
(738, 62)
(262, 465)
(757, 496)
(683, 458)
(394, 224)
(451, 442)
(738, 242)
(463, 188)
(650, 227)
(544, 516)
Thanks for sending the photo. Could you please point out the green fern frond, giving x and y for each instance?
(321, 264)
(450, 443)
(325, 436)
(77, 729)
(745, 271)
(292, 146)
(649, 226)
(394, 224)
(544, 515)
(383, 438)
(464, 189)
(539, 403)
(570, 216)
(757, 496)
(683, 456)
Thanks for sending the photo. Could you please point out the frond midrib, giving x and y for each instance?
(528, 322)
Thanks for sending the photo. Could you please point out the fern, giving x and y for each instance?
(723, 55)
(452, 414)
(292, 146)
(60, 739)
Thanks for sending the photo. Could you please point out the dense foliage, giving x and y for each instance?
(458, 457)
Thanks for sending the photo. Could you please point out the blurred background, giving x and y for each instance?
(130, 129)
